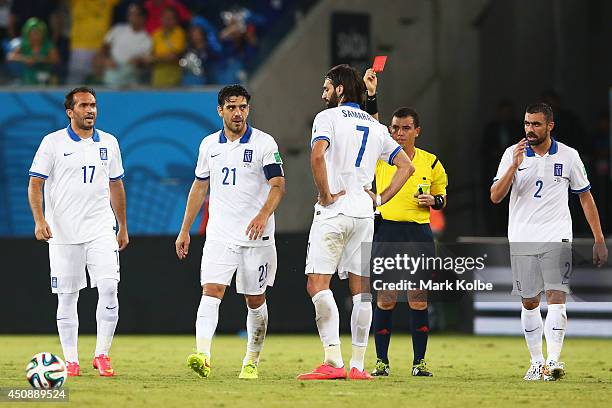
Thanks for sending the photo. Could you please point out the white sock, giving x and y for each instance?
(554, 330)
(206, 323)
(107, 314)
(361, 319)
(68, 324)
(328, 323)
(257, 325)
(531, 321)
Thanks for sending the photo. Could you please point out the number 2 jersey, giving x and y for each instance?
(239, 172)
(539, 210)
(356, 142)
(77, 173)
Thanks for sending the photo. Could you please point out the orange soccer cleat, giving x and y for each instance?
(355, 374)
(324, 372)
(73, 369)
(103, 364)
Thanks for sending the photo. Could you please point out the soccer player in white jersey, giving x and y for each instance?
(540, 171)
(346, 144)
(81, 171)
(243, 168)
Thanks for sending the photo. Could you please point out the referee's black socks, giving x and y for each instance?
(383, 323)
(420, 331)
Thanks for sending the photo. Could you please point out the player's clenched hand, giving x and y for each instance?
(329, 199)
(426, 200)
(257, 226)
(42, 231)
(519, 153)
(372, 196)
(182, 245)
(371, 81)
(122, 238)
(600, 254)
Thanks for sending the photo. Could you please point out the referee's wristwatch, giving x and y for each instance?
(378, 200)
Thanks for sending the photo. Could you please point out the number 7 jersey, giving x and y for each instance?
(356, 142)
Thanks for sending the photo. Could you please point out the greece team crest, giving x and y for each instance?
(103, 153)
(248, 156)
(558, 169)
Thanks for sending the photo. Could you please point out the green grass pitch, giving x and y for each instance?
(468, 372)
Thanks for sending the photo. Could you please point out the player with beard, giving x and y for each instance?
(540, 170)
(346, 144)
(80, 168)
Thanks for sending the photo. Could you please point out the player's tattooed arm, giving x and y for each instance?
(35, 197)
(257, 225)
(319, 173)
(600, 252)
(117, 198)
(196, 197)
(501, 188)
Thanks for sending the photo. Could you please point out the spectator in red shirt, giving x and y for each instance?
(155, 8)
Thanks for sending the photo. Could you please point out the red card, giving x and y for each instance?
(379, 63)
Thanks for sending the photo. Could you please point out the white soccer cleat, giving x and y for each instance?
(534, 373)
(553, 371)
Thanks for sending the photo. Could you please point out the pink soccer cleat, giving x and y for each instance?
(103, 364)
(74, 370)
(324, 372)
(355, 374)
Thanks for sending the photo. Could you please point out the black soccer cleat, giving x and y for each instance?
(381, 369)
(420, 370)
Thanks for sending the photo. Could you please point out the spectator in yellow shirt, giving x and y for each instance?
(91, 19)
(169, 42)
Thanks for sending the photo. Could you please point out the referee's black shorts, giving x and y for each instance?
(403, 239)
(403, 231)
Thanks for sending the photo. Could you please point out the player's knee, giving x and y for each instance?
(418, 305)
(386, 304)
(107, 288)
(360, 286)
(67, 305)
(531, 303)
(555, 297)
(255, 301)
(314, 286)
(213, 290)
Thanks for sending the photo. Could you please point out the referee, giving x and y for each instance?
(405, 219)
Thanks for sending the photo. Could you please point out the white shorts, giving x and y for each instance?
(550, 270)
(255, 267)
(68, 263)
(335, 244)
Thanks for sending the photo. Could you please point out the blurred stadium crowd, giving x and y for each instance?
(126, 43)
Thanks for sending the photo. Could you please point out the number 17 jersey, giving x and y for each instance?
(356, 142)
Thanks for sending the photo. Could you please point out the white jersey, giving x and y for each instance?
(238, 184)
(539, 210)
(127, 44)
(356, 142)
(77, 192)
